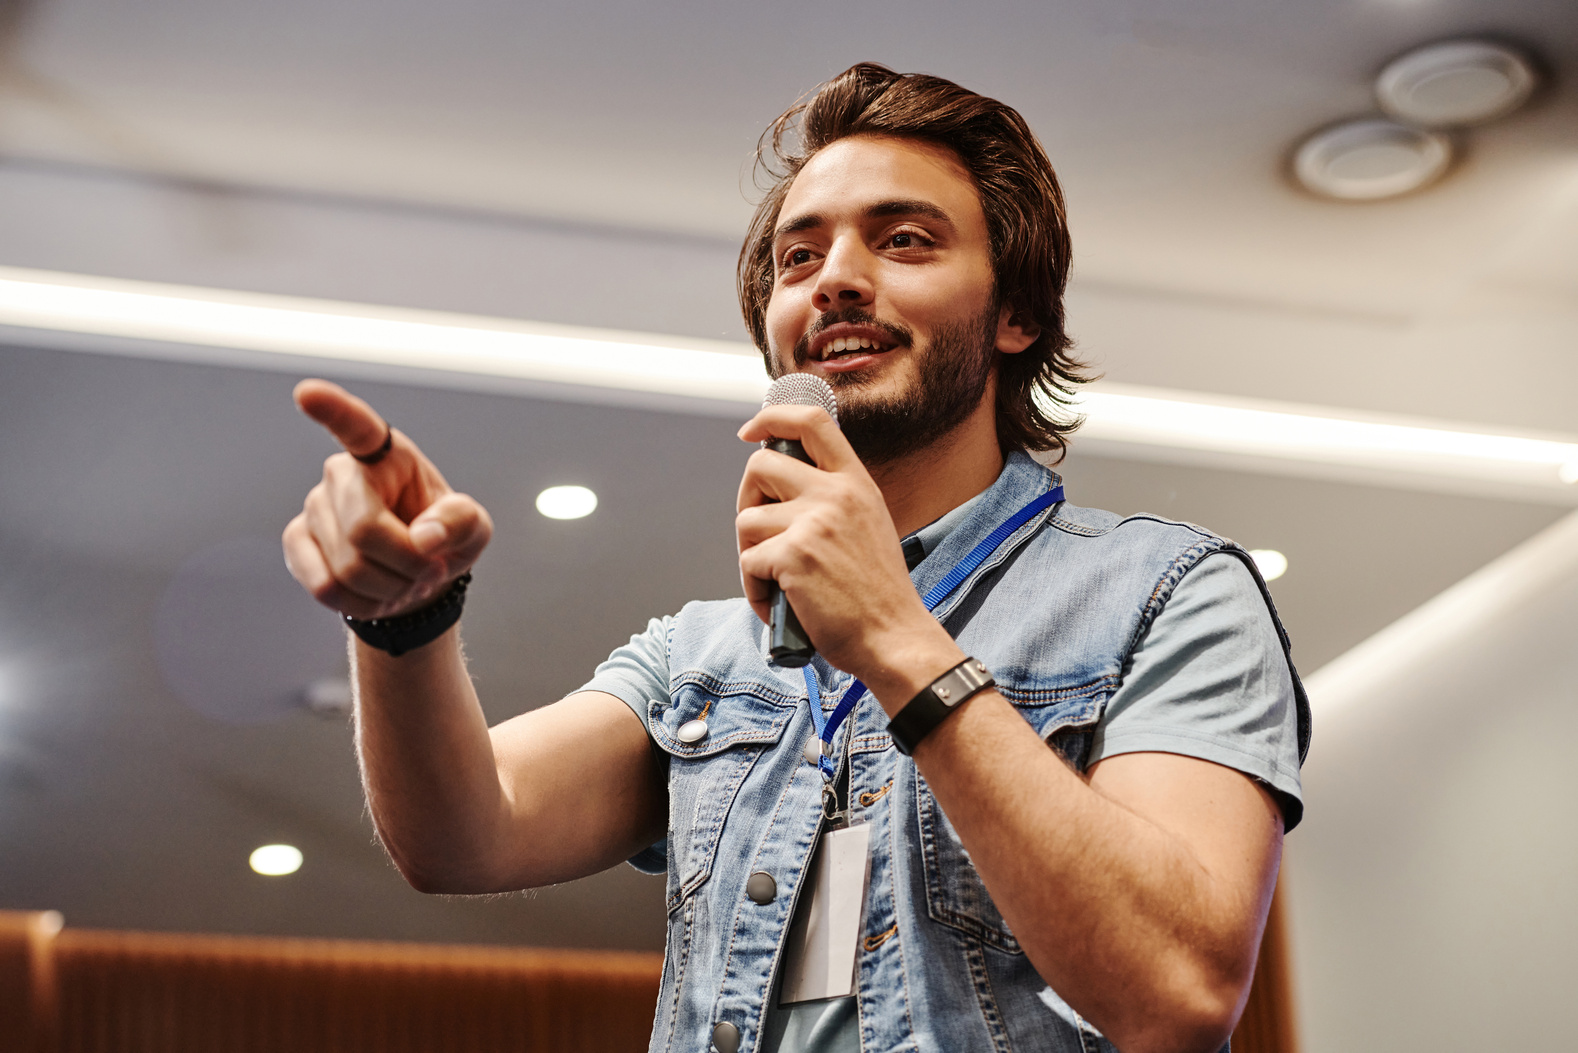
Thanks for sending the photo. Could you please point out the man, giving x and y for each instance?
(1078, 858)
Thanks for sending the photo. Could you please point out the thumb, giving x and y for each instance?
(455, 527)
(353, 423)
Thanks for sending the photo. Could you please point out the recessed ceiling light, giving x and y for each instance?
(1370, 159)
(566, 502)
(1455, 83)
(330, 697)
(276, 860)
(1271, 563)
(1568, 473)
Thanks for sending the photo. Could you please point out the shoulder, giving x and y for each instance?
(1142, 528)
(1135, 554)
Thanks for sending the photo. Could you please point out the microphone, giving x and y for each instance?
(788, 645)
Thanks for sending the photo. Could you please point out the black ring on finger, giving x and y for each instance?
(377, 455)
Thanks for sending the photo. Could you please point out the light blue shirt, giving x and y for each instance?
(1208, 679)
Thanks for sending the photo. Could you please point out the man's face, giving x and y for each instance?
(883, 285)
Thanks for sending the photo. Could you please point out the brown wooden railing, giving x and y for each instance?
(1268, 1023)
(85, 991)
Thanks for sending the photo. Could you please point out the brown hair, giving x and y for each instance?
(1025, 220)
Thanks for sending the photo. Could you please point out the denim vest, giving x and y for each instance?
(1053, 613)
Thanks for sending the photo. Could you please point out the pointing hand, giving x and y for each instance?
(379, 539)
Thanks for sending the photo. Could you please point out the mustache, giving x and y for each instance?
(900, 335)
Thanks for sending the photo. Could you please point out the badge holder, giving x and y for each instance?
(819, 959)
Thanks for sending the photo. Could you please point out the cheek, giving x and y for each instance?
(780, 322)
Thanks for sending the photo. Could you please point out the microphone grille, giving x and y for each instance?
(802, 389)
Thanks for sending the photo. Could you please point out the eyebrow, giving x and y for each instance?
(880, 210)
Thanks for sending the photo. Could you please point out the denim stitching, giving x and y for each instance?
(767, 736)
(766, 692)
(702, 837)
(1022, 696)
(931, 876)
(893, 896)
(1088, 1040)
(975, 958)
(1169, 580)
(679, 975)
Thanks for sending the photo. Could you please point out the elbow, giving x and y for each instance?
(428, 883)
(430, 880)
(434, 874)
(1196, 1017)
(1203, 1027)
(434, 881)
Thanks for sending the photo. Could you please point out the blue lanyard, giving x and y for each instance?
(827, 727)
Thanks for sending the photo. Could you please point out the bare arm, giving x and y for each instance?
(553, 794)
(1139, 893)
(556, 793)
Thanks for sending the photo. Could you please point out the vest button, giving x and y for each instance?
(761, 888)
(813, 750)
(726, 1038)
(692, 732)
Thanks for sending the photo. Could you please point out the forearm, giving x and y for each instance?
(428, 765)
(1116, 913)
(1120, 916)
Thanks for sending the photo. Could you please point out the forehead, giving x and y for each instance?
(849, 176)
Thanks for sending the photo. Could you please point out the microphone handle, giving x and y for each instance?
(788, 645)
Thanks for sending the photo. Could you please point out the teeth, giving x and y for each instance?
(849, 343)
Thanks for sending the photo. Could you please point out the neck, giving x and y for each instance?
(931, 482)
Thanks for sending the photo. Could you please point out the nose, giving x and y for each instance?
(845, 279)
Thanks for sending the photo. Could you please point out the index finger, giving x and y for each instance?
(811, 427)
(353, 423)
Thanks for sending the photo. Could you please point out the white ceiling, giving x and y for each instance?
(1198, 265)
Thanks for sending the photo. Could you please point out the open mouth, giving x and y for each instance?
(852, 345)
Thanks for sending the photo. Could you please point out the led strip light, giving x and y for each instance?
(1163, 422)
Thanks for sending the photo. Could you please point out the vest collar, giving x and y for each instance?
(1020, 480)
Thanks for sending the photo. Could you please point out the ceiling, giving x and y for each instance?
(587, 163)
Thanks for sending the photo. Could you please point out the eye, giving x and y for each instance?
(794, 258)
(908, 238)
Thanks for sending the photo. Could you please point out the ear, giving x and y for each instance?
(1014, 333)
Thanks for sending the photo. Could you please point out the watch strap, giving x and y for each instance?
(921, 715)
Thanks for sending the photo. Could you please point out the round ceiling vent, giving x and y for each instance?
(1455, 83)
(1370, 159)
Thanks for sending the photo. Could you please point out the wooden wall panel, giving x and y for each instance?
(83, 991)
(143, 993)
(27, 981)
(127, 992)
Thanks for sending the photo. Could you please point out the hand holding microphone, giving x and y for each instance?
(788, 644)
(822, 534)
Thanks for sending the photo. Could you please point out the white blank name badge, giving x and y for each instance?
(819, 961)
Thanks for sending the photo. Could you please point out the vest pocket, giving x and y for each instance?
(955, 894)
(713, 734)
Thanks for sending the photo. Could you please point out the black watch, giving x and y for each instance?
(926, 710)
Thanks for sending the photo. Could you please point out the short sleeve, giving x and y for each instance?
(638, 671)
(1210, 679)
(635, 674)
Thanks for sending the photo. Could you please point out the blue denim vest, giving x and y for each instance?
(1053, 613)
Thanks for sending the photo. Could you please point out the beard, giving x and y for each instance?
(952, 376)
